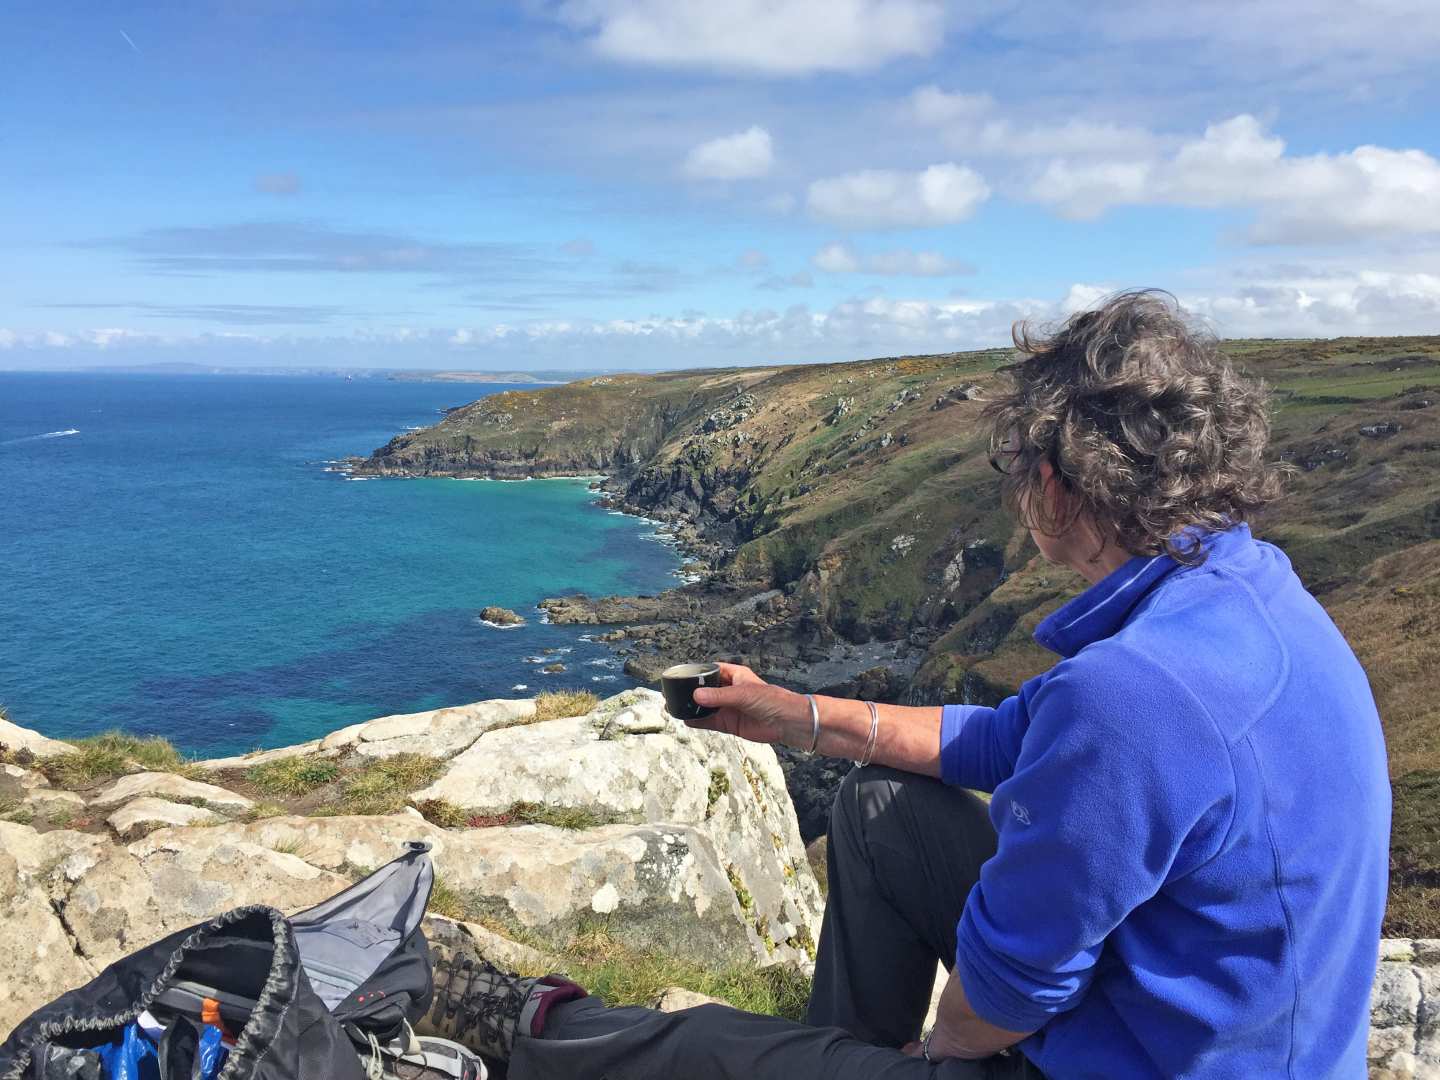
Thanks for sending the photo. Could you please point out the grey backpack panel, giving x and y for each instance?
(345, 940)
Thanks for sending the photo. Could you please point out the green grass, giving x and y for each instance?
(292, 776)
(444, 813)
(559, 704)
(449, 901)
(382, 787)
(449, 816)
(112, 754)
(719, 788)
(625, 976)
(561, 817)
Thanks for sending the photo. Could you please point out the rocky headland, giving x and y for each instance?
(653, 861)
(847, 535)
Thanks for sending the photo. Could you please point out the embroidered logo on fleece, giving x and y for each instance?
(1021, 812)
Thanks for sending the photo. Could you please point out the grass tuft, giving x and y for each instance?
(261, 811)
(444, 813)
(114, 753)
(559, 704)
(447, 900)
(292, 776)
(383, 786)
(625, 976)
(719, 788)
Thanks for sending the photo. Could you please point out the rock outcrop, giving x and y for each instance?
(672, 841)
(500, 616)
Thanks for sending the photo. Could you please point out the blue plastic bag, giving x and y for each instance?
(211, 1054)
(132, 1058)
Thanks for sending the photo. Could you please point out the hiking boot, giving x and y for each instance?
(484, 1008)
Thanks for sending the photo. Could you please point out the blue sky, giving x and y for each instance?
(666, 183)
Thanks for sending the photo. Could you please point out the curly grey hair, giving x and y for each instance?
(1143, 419)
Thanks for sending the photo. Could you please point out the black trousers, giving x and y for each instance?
(904, 852)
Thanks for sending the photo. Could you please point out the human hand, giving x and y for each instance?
(749, 707)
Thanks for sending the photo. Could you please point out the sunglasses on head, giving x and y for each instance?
(1002, 458)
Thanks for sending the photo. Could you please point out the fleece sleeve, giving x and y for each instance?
(979, 745)
(1122, 780)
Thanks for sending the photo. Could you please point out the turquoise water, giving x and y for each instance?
(178, 561)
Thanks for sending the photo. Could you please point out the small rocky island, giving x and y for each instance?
(500, 616)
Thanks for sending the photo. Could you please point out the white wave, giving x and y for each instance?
(535, 659)
(520, 686)
(603, 678)
(498, 626)
(357, 479)
(604, 661)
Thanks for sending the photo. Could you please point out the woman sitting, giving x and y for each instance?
(1182, 869)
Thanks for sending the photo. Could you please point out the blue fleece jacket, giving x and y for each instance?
(1194, 815)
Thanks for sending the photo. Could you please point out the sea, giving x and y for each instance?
(183, 556)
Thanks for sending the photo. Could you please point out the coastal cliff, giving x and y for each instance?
(848, 532)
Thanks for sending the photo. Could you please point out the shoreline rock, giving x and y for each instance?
(500, 617)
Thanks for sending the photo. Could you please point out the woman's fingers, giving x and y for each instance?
(735, 674)
(720, 697)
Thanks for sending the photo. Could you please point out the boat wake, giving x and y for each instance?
(37, 438)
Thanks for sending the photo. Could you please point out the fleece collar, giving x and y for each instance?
(1106, 606)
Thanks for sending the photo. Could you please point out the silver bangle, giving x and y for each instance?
(874, 732)
(925, 1046)
(814, 723)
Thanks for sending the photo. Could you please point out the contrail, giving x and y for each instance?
(128, 41)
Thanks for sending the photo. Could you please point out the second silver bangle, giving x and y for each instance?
(874, 732)
(814, 723)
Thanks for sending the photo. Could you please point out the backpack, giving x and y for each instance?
(299, 994)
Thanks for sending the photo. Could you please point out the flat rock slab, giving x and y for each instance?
(169, 786)
(664, 885)
(439, 733)
(15, 737)
(145, 814)
(260, 757)
(677, 998)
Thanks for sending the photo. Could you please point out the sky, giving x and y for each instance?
(612, 184)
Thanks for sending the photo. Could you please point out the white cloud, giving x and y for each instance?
(836, 259)
(752, 259)
(762, 37)
(883, 198)
(1321, 301)
(975, 124)
(744, 155)
(840, 259)
(1368, 191)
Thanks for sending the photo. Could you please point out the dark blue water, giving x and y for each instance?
(178, 561)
